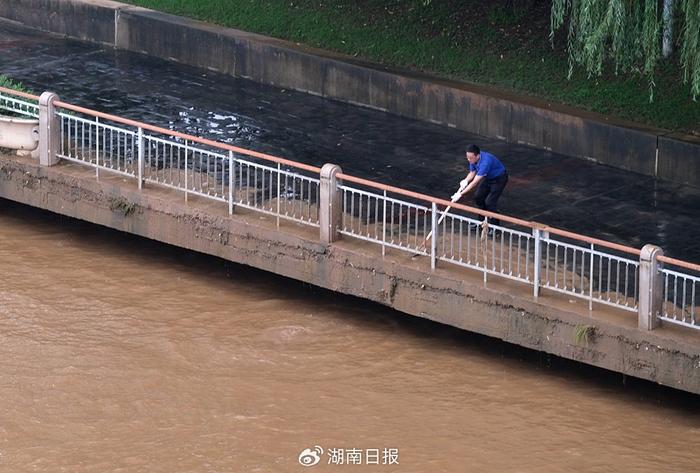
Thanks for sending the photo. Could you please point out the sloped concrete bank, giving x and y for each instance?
(445, 296)
(479, 110)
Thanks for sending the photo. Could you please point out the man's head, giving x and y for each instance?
(473, 154)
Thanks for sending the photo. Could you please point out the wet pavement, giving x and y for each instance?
(565, 192)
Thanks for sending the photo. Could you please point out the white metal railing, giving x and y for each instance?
(105, 146)
(276, 191)
(591, 274)
(377, 218)
(491, 249)
(21, 106)
(179, 165)
(538, 260)
(578, 266)
(680, 303)
(190, 167)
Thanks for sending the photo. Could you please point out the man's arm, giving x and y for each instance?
(464, 183)
(467, 179)
(473, 182)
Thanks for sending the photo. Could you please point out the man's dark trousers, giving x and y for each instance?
(488, 192)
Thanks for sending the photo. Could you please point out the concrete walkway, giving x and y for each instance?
(565, 192)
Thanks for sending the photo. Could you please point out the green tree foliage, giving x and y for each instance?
(628, 34)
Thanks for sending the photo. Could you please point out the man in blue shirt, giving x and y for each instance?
(489, 174)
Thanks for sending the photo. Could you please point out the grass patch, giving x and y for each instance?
(500, 43)
(122, 206)
(583, 334)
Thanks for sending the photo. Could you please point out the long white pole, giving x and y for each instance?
(444, 214)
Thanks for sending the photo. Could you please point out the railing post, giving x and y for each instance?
(590, 278)
(330, 210)
(97, 148)
(140, 163)
(433, 240)
(537, 262)
(384, 224)
(186, 171)
(49, 130)
(484, 248)
(231, 182)
(279, 193)
(650, 288)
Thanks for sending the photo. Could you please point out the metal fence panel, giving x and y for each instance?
(18, 105)
(680, 303)
(391, 222)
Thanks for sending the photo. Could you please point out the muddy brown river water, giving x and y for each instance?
(122, 354)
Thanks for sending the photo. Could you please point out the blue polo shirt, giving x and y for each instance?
(488, 166)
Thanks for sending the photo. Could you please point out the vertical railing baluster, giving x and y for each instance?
(617, 282)
(692, 303)
(510, 252)
(627, 273)
(170, 168)
(352, 212)
(590, 283)
(392, 221)
(546, 266)
(556, 265)
(433, 240)
(344, 213)
(82, 141)
(461, 231)
(140, 159)
(75, 137)
(186, 169)
(231, 181)
(573, 270)
(62, 138)
(90, 129)
(675, 296)
(636, 286)
(685, 287)
(469, 244)
(566, 255)
(384, 224)
(537, 262)
(401, 226)
(485, 251)
(97, 148)
(279, 183)
(255, 187)
(527, 258)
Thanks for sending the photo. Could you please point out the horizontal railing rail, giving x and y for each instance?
(543, 257)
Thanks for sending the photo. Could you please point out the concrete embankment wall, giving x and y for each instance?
(478, 110)
(453, 298)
